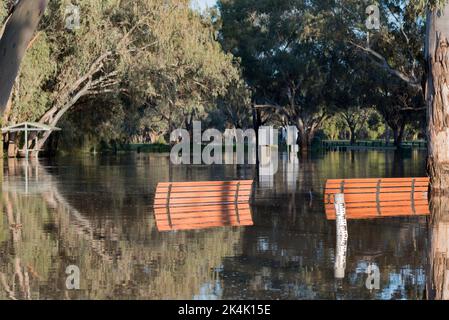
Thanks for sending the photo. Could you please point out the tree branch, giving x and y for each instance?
(383, 63)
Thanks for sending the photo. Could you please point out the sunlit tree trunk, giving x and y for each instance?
(437, 96)
(18, 32)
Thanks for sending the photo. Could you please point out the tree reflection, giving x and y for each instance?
(438, 279)
(41, 233)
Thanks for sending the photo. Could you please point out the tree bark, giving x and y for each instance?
(305, 139)
(18, 33)
(307, 130)
(437, 97)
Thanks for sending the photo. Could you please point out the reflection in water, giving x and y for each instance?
(438, 283)
(118, 258)
(96, 213)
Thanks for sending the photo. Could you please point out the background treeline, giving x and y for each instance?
(325, 71)
(135, 70)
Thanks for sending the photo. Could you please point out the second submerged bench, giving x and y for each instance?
(375, 198)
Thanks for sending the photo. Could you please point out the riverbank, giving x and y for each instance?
(343, 145)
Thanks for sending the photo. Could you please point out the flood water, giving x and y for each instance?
(96, 213)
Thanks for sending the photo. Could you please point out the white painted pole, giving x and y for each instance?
(342, 236)
(26, 177)
(26, 141)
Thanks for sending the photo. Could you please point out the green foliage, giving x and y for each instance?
(31, 100)
(366, 123)
(375, 126)
(334, 128)
(132, 70)
(3, 12)
(234, 106)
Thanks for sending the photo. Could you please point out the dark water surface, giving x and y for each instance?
(96, 213)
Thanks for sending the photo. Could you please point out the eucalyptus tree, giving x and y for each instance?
(235, 106)
(16, 33)
(282, 60)
(399, 105)
(409, 45)
(187, 69)
(135, 54)
(355, 119)
(412, 45)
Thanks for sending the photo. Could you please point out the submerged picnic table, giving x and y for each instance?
(203, 204)
(377, 198)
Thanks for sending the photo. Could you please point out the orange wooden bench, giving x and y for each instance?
(200, 205)
(377, 198)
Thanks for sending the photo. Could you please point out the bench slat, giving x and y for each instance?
(221, 207)
(205, 183)
(350, 185)
(202, 226)
(360, 213)
(199, 215)
(381, 204)
(383, 197)
(204, 194)
(198, 219)
(370, 180)
(202, 189)
(374, 190)
(204, 200)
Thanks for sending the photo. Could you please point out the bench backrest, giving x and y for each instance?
(376, 198)
(204, 204)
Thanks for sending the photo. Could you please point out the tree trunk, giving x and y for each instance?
(398, 134)
(387, 133)
(12, 146)
(256, 126)
(305, 139)
(353, 136)
(437, 96)
(395, 134)
(18, 33)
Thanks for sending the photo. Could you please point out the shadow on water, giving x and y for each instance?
(96, 213)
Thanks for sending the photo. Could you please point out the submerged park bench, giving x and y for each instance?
(378, 198)
(201, 205)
